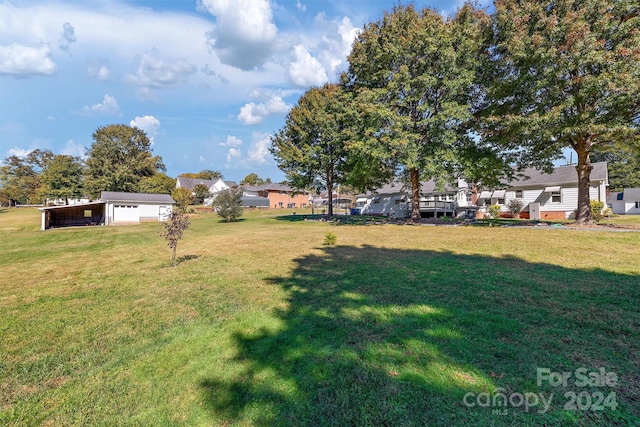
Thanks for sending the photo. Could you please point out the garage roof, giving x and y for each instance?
(117, 196)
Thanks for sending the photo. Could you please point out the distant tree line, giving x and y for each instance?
(119, 159)
(481, 95)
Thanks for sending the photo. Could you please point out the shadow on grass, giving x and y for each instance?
(379, 337)
(184, 258)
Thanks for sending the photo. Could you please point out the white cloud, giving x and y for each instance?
(336, 45)
(259, 150)
(257, 154)
(99, 71)
(154, 72)
(148, 124)
(244, 36)
(231, 141)
(306, 70)
(21, 60)
(109, 106)
(18, 152)
(301, 6)
(253, 114)
(67, 37)
(234, 157)
(73, 149)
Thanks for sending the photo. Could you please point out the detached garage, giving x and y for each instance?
(133, 208)
(112, 208)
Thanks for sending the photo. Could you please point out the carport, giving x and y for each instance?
(83, 214)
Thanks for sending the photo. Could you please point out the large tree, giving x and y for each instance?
(567, 75)
(313, 148)
(413, 73)
(63, 178)
(20, 176)
(119, 158)
(623, 163)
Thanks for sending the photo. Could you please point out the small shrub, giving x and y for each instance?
(596, 209)
(494, 211)
(330, 239)
(515, 206)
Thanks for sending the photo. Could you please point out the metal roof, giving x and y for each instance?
(77, 205)
(116, 196)
(631, 194)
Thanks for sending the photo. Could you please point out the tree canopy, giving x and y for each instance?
(254, 179)
(313, 148)
(204, 174)
(566, 74)
(119, 158)
(21, 177)
(63, 178)
(413, 73)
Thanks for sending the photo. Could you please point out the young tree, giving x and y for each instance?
(228, 204)
(567, 75)
(183, 197)
(201, 192)
(63, 178)
(119, 158)
(172, 231)
(413, 74)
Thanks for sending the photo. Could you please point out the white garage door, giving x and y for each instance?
(125, 213)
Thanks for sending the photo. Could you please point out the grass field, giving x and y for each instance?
(262, 324)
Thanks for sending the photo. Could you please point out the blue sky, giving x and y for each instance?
(208, 80)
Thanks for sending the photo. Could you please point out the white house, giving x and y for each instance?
(546, 195)
(625, 202)
(395, 200)
(112, 208)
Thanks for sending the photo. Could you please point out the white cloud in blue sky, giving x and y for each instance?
(208, 80)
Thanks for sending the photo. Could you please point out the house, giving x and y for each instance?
(545, 195)
(394, 200)
(277, 195)
(625, 202)
(112, 208)
(190, 183)
(213, 185)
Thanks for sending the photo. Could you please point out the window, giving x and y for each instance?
(376, 200)
(637, 205)
(87, 213)
(556, 197)
(500, 201)
(518, 194)
(281, 204)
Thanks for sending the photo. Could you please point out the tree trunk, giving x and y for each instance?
(584, 167)
(415, 194)
(330, 203)
(173, 256)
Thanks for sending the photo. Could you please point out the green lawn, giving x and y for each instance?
(262, 324)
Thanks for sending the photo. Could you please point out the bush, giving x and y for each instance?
(515, 206)
(494, 211)
(596, 209)
(330, 239)
(228, 204)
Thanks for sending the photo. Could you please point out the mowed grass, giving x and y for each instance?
(261, 324)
